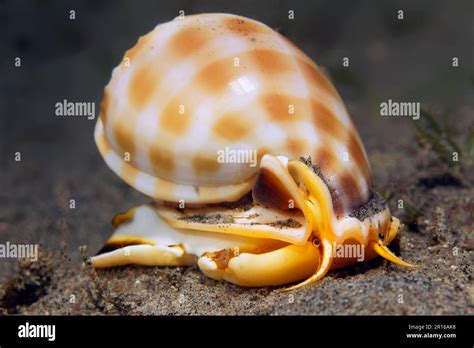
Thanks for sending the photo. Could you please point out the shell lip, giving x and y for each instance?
(374, 204)
(161, 189)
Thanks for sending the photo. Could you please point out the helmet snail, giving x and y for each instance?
(256, 170)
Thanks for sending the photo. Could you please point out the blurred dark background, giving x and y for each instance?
(408, 60)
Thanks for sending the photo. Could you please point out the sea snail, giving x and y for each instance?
(254, 166)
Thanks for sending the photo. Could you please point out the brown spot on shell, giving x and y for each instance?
(204, 165)
(189, 40)
(231, 127)
(218, 74)
(162, 161)
(349, 188)
(142, 86)
(128, 173)
(124, 135)
(272, 62)
(278, 107)
(172, 120)
(297, 146)
(324, 158)
(326, 120)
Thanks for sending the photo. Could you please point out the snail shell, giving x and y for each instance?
(195, 86)
(205, 84)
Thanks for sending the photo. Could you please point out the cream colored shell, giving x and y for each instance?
(206, 83)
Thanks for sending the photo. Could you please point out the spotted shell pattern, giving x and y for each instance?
(199, 84)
